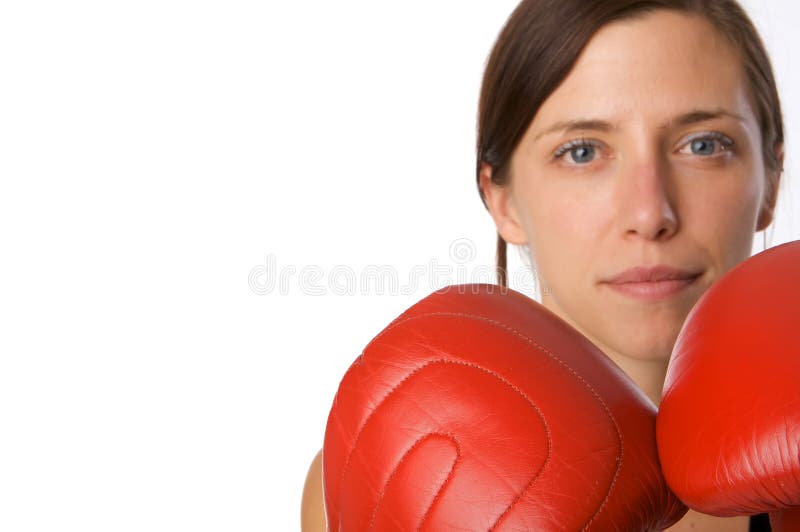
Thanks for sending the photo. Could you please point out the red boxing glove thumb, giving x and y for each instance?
(729, 422)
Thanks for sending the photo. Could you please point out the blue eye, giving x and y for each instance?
(582, 154)
(580, 151)
(703, 147)
(708, 145)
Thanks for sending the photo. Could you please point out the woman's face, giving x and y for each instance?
(648, 154)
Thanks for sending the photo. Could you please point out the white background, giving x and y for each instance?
(154, 155)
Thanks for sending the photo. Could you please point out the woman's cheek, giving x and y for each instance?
(727, 215)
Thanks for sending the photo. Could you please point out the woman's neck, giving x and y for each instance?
(647, 374)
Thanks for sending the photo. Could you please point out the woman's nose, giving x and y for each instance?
(646, 199)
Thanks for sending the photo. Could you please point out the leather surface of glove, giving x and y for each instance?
(729, 421)
(480, 409)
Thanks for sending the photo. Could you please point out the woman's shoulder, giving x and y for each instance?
(312, 508)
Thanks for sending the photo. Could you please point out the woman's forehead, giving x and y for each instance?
(662, 65)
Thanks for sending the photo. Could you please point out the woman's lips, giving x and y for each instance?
(653, 290)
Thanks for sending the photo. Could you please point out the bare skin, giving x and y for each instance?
(312, 513)
(648, 153)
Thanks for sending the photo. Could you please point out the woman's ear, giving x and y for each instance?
(501, 207)
(767, 213)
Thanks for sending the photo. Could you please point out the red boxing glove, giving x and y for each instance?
(480, 409)
(729, 422)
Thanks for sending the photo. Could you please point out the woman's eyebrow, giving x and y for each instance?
(575, 125)
(692, 117)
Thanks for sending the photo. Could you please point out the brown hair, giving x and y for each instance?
(539, 45)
